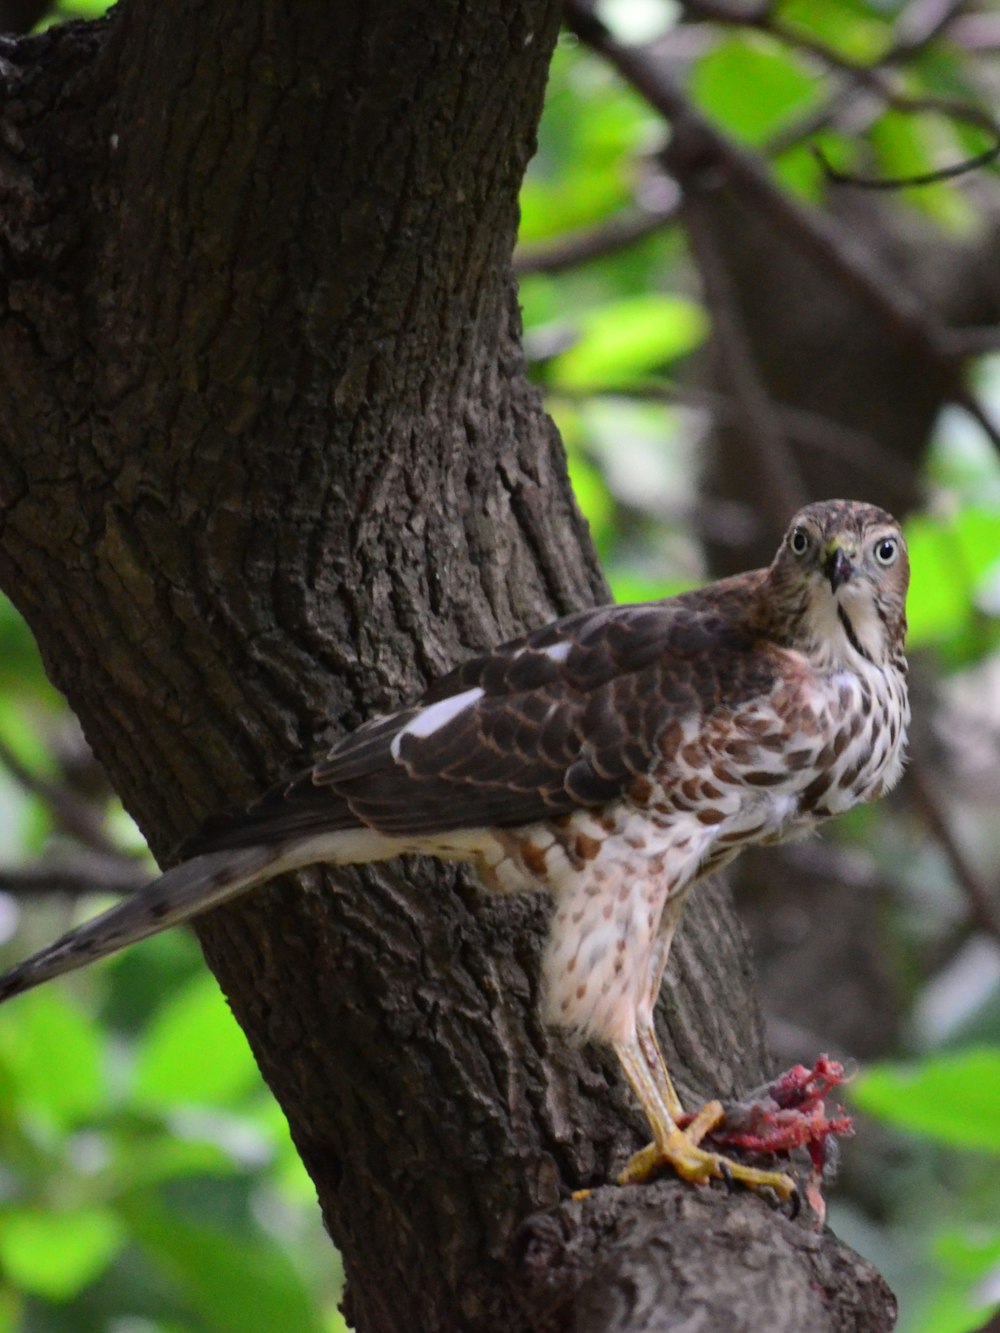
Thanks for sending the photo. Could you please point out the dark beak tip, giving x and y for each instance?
(839, 569)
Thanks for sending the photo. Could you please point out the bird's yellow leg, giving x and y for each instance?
(710, 1115)
(679, 1148)
(657, 1066)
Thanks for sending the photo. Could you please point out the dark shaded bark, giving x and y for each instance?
(268, 461)
(587, 1270)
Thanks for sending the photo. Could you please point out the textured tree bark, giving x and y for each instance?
(268, 460)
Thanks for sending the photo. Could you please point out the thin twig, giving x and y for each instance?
(859, 450)
(837, 177)
(580, 247)
(70, 811)
(82, 876)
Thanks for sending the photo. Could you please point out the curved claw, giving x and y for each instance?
(794, 1203)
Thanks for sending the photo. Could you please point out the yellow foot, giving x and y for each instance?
(681, 1152)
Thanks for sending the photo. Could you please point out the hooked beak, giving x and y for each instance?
(838, 567)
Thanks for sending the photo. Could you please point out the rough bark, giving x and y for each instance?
(268, 460)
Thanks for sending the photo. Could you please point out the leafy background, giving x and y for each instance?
(147, 1182)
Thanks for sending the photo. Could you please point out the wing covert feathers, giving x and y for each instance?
(564, 717)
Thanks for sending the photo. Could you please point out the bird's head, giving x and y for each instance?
(840, 578)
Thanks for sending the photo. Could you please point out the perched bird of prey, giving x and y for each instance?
(613, 758)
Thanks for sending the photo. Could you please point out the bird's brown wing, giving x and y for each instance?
(565, 717)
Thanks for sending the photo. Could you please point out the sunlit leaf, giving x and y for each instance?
(752, 86)
(21, 668)
(969, 1252)
(950, 1310)
(593, 497)
(152, 1159)
(625, 340)
(84, 9)
(954, 1098)
(939, 598)
(11, 1310)
(631, 587)
(847, 27)
(237, 1283)
(193, 1052)
(593, 129)
(906, 146)
(56, 1254)
(951, 560)
(52, 1058)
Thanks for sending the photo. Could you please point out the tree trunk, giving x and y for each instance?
(268, 461)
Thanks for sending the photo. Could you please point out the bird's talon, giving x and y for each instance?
(696, 1165)
(794, 1202)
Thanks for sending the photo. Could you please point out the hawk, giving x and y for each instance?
(613, 758)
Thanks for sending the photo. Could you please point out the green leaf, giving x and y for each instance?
(628, 586)
(12, 1310)
(623, 341)
(752, 86)
(950, 560)
(157, 1156)
(85, 9)
(21, 669)
(953, 1098)
(52, 1059)
(57, 1254)
(847, 27)
(939, 600)
(594, 499)
(950, 1310)
(969, 1252)
(194, 1052)
(236, 1283)
(592, 129)
(908, 145)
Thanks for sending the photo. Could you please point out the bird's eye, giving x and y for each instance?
(886, 550)
(799, 541)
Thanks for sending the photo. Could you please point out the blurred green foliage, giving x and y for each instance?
(147, 1182)
(147, 1179)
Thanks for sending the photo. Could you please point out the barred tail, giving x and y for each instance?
(182, 893)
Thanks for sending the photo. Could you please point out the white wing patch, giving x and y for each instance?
(558, 652)
(435, 716)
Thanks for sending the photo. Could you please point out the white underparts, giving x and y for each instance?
(604, 956)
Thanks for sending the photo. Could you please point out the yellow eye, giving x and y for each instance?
(799, 541)
(886, 550)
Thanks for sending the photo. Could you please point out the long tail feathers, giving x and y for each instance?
(184, 892)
